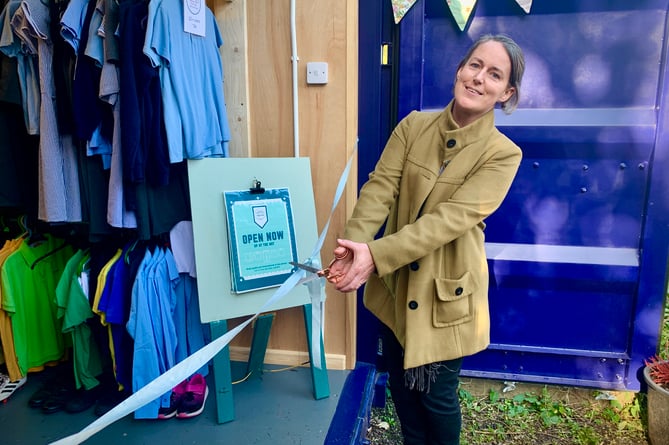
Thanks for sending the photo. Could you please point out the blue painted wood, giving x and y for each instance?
(262, 327)
(225, 405)
(351, 418)
(376, 27)
(319, 376)
(592, 124)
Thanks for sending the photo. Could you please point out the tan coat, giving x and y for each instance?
(431, 280)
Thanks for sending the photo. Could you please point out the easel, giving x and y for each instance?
(208, 180)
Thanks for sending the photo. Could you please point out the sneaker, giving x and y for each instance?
(170, 411)
(192, 402)
(4, 379)
(175, 401)
(9, 388)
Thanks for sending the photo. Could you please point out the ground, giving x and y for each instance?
(529, 414)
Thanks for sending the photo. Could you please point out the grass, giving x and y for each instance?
(541, 415)
(500, 413)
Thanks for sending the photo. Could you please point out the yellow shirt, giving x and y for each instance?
(6, 333)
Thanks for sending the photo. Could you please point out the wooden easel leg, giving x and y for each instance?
(225, 405)
(261, 330)
(319, 377)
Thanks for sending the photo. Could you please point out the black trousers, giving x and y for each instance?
(427, 417)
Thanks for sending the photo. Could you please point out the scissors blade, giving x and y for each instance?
(306, 267)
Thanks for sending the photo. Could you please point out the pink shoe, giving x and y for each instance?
(177, 395)
(192, 402)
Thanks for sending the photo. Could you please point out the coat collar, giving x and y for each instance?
(467, 135)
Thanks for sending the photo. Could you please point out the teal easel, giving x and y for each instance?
(208, 180)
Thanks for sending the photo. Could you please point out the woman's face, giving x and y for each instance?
(482, 82)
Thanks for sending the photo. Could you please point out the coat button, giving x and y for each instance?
(458, 291)
(414, 266)
(450, 143)
(413, 305)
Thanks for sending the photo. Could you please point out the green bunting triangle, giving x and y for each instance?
(401, 7)
(461, 10)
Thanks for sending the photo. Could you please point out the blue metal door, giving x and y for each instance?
(578, 251)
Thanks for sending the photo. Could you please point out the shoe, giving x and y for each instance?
(56, 389)
(9, 387)
(51, 399)
(177, 395)
(81, 400)
(192, 402)
(108, 401)
(4, 379)
(56, 401)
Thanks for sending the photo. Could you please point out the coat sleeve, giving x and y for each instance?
(441, 222)
(379, 193)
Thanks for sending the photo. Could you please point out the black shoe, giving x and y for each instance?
(55, 401)
(47, 391)
(81, 400)
(59, 381)
(108, 401)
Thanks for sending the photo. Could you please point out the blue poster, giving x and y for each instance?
(261, 237)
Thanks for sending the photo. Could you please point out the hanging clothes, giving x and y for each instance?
(29, 277)
(191, 78)
(144, 144)
(6, 333)
(59, 199)
(191, 332)
(74, 310)
(19, 119)
(151, 325)
(114, 303)
(119, 213)
(26, 68)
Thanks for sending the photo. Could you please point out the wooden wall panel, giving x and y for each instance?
(231, 16)
(326, 32)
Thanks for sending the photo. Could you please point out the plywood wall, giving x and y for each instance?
(258, 87)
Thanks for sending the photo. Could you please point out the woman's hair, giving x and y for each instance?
(517, 65)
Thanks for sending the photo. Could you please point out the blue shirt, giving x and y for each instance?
(145, 365)
(151, 324)
(191, 76)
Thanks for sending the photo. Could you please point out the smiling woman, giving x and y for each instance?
(485, 78)
(439, 176)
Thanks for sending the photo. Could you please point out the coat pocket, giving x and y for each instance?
(453, 302)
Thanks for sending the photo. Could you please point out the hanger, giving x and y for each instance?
(126, 257)
(23, 225)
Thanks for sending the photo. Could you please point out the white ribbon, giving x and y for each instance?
(316, 287)
(195, 361)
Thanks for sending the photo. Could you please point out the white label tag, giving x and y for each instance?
(194, 17)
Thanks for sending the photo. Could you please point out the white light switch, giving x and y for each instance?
(317, 72)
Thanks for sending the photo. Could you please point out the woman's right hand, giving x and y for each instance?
(352, 266)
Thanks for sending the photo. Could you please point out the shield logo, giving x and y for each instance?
(260, 215)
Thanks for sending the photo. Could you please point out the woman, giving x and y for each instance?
(440, 175)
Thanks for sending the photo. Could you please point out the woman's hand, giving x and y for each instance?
(352, 266)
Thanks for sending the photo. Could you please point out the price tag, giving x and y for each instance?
(195, 17)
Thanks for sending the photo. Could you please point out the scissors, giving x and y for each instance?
(320, 272)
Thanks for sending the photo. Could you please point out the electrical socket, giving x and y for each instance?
(317, 73)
